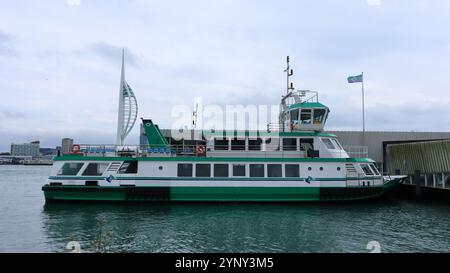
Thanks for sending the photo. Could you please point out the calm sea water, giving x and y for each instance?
(28, 225)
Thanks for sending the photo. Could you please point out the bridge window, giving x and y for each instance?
(292, 170)
(185, 170)
(294, 119)
(319, 115)
(306, 116)
(254, 144)
(95, 169)
(128, 167)
(220, 170)
(221, 144)
(70, 168)
(256, 170)
(238, 144)
(289, 144)
(238, 169)
(274, 170)
(203, 170)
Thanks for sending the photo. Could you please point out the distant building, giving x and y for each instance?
(66, 146)
(47, 151)
(26, 149)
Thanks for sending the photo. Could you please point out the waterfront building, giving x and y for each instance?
(26, 149)
(66, 145)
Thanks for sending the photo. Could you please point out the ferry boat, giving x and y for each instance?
(292, 161)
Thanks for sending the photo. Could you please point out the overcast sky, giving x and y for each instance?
(60, 61)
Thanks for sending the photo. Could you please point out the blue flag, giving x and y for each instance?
(353, 79)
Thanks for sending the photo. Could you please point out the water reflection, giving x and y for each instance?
(192, 227)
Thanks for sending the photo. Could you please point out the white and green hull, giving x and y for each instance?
(157, 180)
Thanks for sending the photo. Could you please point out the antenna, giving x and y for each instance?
(194, 116)
(289, 73)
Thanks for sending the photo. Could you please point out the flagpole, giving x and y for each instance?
(364, 123)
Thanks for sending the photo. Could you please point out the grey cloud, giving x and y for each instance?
(7, 44)
(12, 114)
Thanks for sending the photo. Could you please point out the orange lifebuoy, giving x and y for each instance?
(201, 150)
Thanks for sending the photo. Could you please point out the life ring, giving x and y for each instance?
(76, 149)
(201, 150)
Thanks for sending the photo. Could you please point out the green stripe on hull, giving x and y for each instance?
(230, 194)
(245, 194)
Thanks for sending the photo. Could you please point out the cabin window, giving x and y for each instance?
(254, 144)
(305, 116)
(70, 168)
(128, 167)
(256, 170)
(274, 170)
(95, 169)
(306, 144)
(319, 115)
(289, 144)
(238, 144)
(238, 169)
(203, 170)
(337, 144)
(220, 170)
(272, 144)
(185, 170)
(221, 144)
(292, 170)
(374, 169)
(366, 169)
(328, 143)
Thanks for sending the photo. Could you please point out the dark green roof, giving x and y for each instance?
(307, 105)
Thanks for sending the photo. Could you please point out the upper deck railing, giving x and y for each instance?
(199, 149)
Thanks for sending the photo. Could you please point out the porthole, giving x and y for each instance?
(160, 168)
(321, 168)
(339, 169)
(309, 168)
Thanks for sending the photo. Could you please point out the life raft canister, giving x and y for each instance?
(201, 150)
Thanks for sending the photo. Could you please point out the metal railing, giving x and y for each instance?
(202, 149)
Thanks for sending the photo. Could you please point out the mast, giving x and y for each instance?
(289, 73)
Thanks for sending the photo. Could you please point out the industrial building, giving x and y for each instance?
(429, 160)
